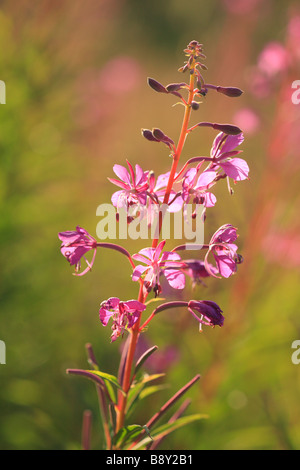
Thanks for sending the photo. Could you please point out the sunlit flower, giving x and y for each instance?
(123, 314)
(75, 244)
(134, 186)
(157, 263)
(224, 251)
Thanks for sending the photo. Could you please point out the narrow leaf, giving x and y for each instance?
(143, 358)
(167, 428)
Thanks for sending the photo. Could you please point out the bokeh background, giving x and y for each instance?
(77, 97)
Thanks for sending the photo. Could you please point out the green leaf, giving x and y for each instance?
(167, 428)
(150, 390)
(108, 377)
(129, 432)
(149, 378)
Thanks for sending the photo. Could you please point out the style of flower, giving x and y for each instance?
(134, 186)
(223, 149)
(168, 263)
(75, 244)
(224, 251)
(123, 314)
(211, 314)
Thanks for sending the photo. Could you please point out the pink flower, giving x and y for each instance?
(134, 186)
(169, 264)
(195, 188)
(124, 314)
(211, 314)
(223, 149)
(75, 244)
(273, 59)
(224, 251)
(197, 271)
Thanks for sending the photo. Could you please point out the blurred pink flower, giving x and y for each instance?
(248, 120)
(240, 7)
(273, 59)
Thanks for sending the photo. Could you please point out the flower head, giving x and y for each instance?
(211, 314)
(197, 271)
(195, 188)
(223, 149)
(134, 186)
(124, 314)
(168, 263)
(224, 251)
(75, 244)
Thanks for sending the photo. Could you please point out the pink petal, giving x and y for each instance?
(205, 179)
(105, 316)
(122, 173)
(139, 270)
(237, 169)
(175, 278)
(135, 305)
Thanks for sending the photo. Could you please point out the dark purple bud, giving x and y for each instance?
(175, 86)
(227, 129)
(149, 136)
(209, 309)
(195, 105)
(202, 66)
(160, 136)
(156, 86)
(232, 92)
(239, 259)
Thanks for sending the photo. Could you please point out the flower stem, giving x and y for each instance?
(122, 399)
(181, 141)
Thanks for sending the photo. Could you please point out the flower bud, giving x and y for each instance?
(227, 129)
(156, 86)
(148, 135)
(175, 86)
(195, 105)
(232, 92)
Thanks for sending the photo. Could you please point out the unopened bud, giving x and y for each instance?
(232, 92)
(195, 105)
(175, 86)
(156, 86)
(227, 129)
(148, 135)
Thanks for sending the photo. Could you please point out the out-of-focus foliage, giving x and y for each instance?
(77, 97)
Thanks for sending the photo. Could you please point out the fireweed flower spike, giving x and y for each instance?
(140, 190)
(168, 264)
(75, 244)
(123, 314)
(224, 251)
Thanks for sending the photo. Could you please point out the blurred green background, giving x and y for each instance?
(76, 100)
